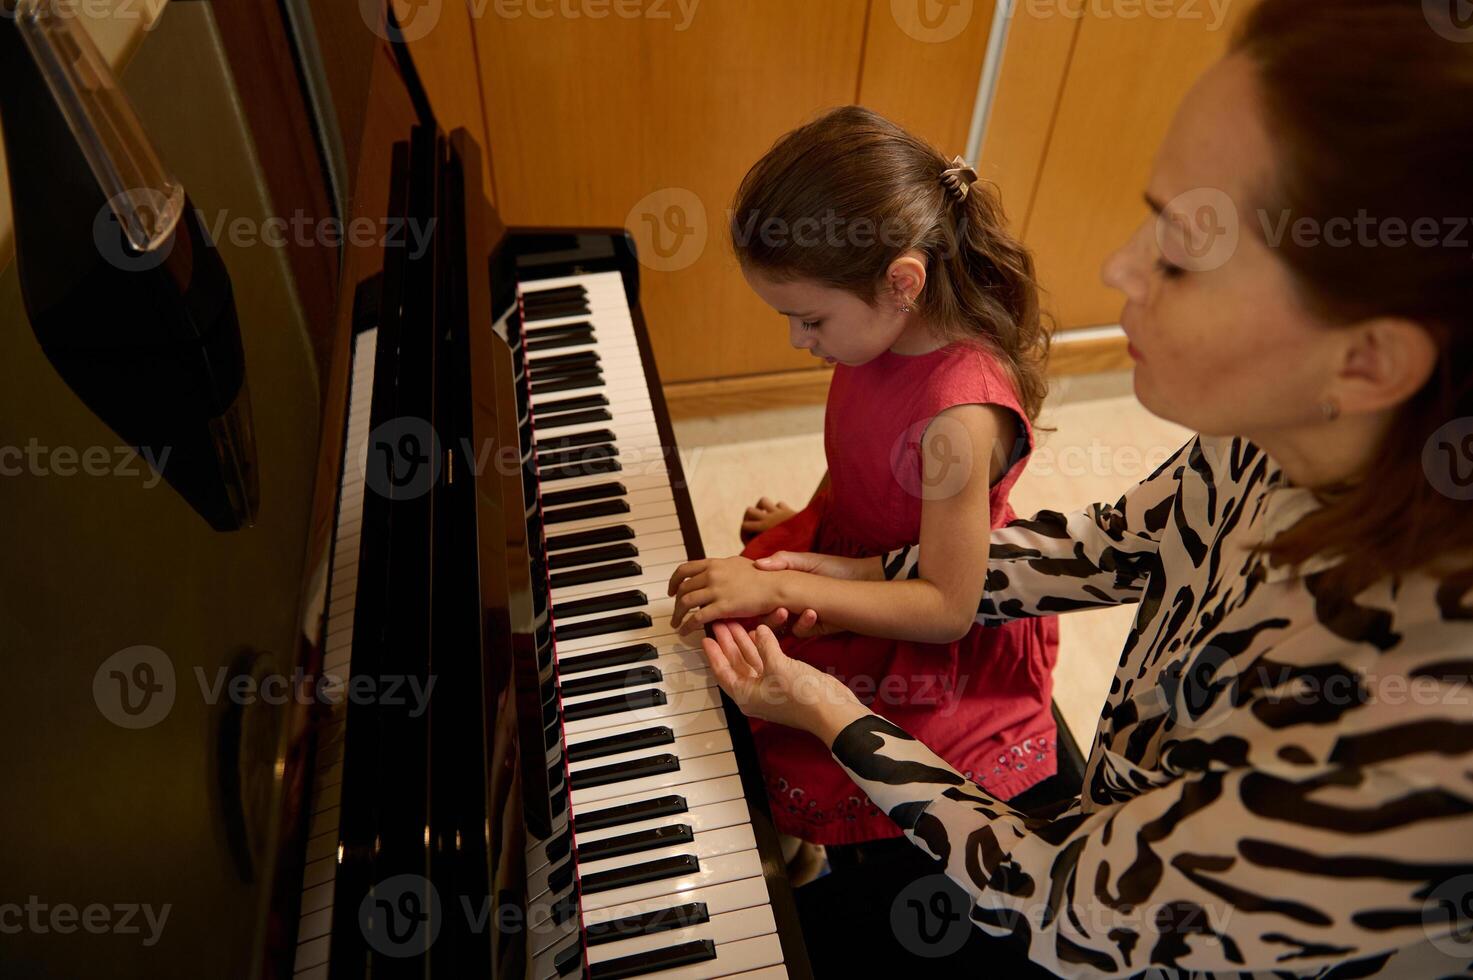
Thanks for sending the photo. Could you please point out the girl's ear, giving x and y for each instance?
(906, 277)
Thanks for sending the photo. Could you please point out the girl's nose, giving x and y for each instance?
(800, 338)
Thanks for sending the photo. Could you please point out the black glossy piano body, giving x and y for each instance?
(506, 478)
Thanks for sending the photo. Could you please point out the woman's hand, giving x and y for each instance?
(768, 684)
(764, 516)
(720, 588)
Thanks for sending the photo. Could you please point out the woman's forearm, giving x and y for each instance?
(915, 609)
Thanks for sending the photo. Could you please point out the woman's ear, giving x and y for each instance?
(905, 278)
(1386, 361)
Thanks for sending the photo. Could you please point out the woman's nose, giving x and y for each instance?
(1126, 270)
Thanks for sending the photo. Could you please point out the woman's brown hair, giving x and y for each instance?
(1370, 107)
(838, 200)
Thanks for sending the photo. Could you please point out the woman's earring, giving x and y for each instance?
(1331, 409)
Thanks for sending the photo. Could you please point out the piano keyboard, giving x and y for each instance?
(315, 928)
(672, 883)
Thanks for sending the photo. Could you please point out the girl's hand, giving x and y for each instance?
(832, 566)
(720, 588)
(768, 684)
(764, 516)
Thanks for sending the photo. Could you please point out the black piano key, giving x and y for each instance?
(553, 311)
(577, 339)
(570, 960)
(571, 405)
(573, 418)
(540, 333)
(619, 772)
(596, 573)
(619, 703)
(638, 964)
(638, 874)
(569, 382)
(599, 683)
(565, 909)
(645, 923)
(637, 653)
(597, 437)
(580, 495)
(558, 847)
(561, 878)
(644, 738)
(578, 454)
(593, 467)
(592, 556)
(551, 292)
(641, 840)
(631, 599)
(614, 816)
(601, 508)
(554, 362)
(583, 539)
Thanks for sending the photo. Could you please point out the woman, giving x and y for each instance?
(1282, 777)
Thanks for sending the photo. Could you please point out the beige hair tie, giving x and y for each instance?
(959, 178)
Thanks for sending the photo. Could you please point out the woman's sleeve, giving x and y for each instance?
(1053, 563)
(1221, 870)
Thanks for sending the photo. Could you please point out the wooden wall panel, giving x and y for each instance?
(445, 56)
(922, 63)
(1125, 79)
(1035, 66)
(638, 123)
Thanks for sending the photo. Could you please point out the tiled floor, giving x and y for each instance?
(1103, 442)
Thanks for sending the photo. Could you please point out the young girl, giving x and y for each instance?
(893, 265)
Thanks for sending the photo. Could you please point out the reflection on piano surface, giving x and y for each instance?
(571, 796)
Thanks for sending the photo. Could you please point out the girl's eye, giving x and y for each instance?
(811, 324)
(1170, 271)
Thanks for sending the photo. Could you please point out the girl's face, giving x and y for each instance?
(829, 323)
(1220, 340)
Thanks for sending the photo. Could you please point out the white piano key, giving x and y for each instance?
(688, 724)
(729, 813)
(675, 705)
(731, 896)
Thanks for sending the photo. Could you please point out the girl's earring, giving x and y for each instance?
(907, 308)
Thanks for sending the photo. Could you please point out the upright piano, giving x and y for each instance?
(516, 768)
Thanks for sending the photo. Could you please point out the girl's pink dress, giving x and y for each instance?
(982, 704)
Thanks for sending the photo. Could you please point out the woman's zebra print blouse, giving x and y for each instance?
(1279, 783)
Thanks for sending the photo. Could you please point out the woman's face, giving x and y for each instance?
(1221, 342)
(831, 324)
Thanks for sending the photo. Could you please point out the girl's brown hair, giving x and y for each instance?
(840, 199)
(1370, 107)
